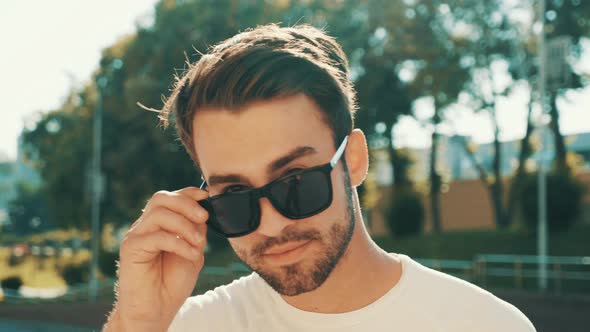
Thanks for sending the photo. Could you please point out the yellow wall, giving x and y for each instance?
(465, 205)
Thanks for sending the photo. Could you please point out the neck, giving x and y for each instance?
(364, 274)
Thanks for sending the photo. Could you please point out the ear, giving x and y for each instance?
(357, 157)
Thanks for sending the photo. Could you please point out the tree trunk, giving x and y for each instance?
(400, 165)
(398, 174)
(496, 191)
(525, 152)
(435, 183)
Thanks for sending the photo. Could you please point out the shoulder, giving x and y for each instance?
(220, 308)
(461, 304)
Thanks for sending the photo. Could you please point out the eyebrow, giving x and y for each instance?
(277, 164)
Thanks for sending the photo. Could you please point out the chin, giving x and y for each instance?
(314, 269)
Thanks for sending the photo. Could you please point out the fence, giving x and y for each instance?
(566, 275)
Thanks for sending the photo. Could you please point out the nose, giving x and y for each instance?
(272, 222)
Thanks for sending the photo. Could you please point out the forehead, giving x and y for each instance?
(245, 141)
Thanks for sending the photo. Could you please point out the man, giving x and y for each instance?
(267, 116)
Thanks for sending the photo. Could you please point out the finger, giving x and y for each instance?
(142, 248)
(179, 203)
(160, 218)
(202, 229)
(194, 193)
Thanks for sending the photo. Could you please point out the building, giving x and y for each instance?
(465, 201)
(456, 164)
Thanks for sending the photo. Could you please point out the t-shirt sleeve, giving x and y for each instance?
(482, 311)
(463, 306)
(490, 313)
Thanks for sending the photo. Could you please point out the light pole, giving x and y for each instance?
(542, 242)
(97, 185)
(543, 164)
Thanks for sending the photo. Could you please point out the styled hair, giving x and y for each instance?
(260, 64)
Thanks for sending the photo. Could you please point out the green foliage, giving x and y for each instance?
(564, 201)
(139, 158)
(468, 244)
(76, 274)
(15, 260)
(59, 148)
(12, 283)
(405, 216)
(28, 211)
(107, 263)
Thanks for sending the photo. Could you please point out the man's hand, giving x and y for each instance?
(160, 260)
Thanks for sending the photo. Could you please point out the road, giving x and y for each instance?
(28, 326)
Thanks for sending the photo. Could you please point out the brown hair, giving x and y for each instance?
(263, 63)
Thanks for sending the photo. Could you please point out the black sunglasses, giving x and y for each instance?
(298, 195)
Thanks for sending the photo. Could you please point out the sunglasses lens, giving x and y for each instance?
(302, 195)
(297, 196)
(235, 214)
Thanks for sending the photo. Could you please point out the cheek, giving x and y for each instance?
(241, 246)
(340, 194)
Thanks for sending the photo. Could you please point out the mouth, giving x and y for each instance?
(286, 254)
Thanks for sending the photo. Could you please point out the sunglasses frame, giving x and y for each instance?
(255, 194)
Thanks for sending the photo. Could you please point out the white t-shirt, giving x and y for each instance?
(422, 300)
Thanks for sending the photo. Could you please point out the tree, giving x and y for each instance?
(140, 158)
(570, 19)
(495, 48)
(519, 50)
(427, 47)
(58, 148)
(28, 211)
(564, 201)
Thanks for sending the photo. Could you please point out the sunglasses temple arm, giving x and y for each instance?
(202, 184)
(339, 152)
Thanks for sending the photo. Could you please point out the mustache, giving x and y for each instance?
(306, 235)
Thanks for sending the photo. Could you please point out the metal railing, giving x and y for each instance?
(567, 273)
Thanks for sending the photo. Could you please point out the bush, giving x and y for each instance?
(76, 274)
(564, 201)
(107, 263)
(14, 260)
(13, 283)
(405, 216)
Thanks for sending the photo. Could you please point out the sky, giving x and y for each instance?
(48, 47)
(51, 46)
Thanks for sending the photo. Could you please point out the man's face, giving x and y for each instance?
(293, 256)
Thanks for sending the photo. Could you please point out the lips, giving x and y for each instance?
(283, 249)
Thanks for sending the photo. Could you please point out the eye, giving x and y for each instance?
(234, 189)
(292, 175)
(294, 171)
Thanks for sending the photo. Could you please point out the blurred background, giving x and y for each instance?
(477, 114)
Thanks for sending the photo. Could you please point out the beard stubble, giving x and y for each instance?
(302, 277)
